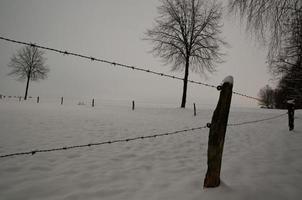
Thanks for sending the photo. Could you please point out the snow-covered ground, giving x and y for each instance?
(261, 161)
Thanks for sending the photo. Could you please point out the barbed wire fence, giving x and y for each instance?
(225, 98)
(117, 64)
(189, 130)
(257, 121)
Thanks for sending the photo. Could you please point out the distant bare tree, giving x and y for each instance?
(28, 64)
(187, 34)
(266, 95)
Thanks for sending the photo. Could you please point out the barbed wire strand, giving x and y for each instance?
(256, 121)
(132, 139)
(101, 143)
(64, 52)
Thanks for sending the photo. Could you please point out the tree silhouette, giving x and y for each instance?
(187, 34)
(266, 95)
(28, 64)
(280, 23)
(270, 20)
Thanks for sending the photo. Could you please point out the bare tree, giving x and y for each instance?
(266, 95)
(270, 20)
(290, 55)
(279, 22)
(187, 34)
(28, 64)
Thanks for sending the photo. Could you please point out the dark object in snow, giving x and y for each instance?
(133, 105)
(291, 114)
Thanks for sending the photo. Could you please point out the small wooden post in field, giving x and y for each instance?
(62, 100)
(194, 109)
(38, 99)
(92, 103)
(19, 98)
(291, 113)
(217, 133)
(133, 105)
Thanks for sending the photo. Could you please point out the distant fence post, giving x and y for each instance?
(0, 96)
(92, 103)
(62, 100)
(291, 114)
(38, 99)
(217, 133)
(194, 109)
(133, 105)
(19, 98)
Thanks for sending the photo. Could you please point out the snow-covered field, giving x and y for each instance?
(261, 161)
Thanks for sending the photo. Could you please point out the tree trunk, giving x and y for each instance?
(27, 84)
(184, 94)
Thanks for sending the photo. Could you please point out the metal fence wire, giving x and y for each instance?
(189, 130)
(113, 63)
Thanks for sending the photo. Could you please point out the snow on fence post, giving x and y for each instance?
(217, 133)
(92, 103)
(62, 100)
(38, 99)
(194, 109)
(133, 105)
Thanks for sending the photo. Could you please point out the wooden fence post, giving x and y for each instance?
(194, 109)
(62, 100)
(38, 99)
(92, 103)
(133, 105)
(217, 133)
(291, 113)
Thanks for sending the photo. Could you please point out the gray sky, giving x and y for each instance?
(113, 30)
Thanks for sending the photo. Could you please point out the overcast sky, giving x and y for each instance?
(113, 30)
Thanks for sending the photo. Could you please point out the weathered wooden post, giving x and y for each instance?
(291, 113)
(133, 105)
(92, 103)
(62, 100)
(217, 133)
(194, 109)
(20, 98)
(38, 99)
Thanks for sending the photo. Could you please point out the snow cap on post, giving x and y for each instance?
(228, 79)
(291, 101)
